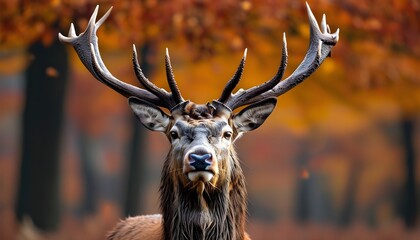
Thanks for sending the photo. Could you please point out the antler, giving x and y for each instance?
(86, 46)
(320, 46)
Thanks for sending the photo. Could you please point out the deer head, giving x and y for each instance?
(202, 182)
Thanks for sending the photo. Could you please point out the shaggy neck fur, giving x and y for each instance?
(217, 213)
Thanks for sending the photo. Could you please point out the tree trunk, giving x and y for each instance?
(89, 201)
(349, 207)
(46, 81)
(137, 165)
(303, 186)
(408, 208)
(136, 172)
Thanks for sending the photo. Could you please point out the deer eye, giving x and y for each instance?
(227, 135)
(174, 135)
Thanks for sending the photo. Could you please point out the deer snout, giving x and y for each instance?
(200, 161)
(199, 165)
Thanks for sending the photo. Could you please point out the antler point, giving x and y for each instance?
(104, 17)
(285, 44)
(308, 7)
(61, 37)
(94, 14)
(109, 10)
(72, 31)
(64, 39)
(134, 53)
(324, 24)
(336, 34)
(312, 20)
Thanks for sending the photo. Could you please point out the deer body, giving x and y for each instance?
(146, 227)
(202, 190)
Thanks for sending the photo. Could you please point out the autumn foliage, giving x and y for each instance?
(338, 131)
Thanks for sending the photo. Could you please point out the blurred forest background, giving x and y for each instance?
(338, 159)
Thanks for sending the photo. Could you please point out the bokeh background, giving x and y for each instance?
(338, 159)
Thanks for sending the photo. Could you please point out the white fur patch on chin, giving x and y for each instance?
(204, 176)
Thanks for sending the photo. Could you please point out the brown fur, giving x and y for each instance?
(148, 227)
(219, 213)
(199, 210)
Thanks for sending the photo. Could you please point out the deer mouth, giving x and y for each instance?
(204, 176)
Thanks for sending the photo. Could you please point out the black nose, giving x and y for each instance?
(200, 161)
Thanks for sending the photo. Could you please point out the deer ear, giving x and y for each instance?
(254, 115)
(151, 116)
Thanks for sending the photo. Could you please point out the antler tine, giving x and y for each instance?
(176, 94)
(123, 88)
(320, 45)
(231, 84)
(86, 46)
(240, 97)
(81, 42)
(147, 84)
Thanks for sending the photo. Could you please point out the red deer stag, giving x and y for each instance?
(202, 190)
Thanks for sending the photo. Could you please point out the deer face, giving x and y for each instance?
(201, 136)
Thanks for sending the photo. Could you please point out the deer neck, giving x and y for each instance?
(216, 213)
